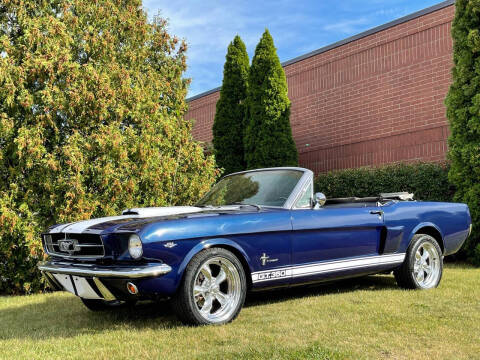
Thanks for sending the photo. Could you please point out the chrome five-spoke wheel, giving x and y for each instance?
(423, 264)
(426, 268)
(216, 290)
(213, 288)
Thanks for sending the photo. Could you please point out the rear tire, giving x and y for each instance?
(423, 264)
(213, 289)
(102, 305)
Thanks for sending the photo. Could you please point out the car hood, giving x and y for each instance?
(178, 218)
(134, 215)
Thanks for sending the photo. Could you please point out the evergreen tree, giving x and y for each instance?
(268, 138)
(228, 126)
(91, 122)
(463, 112)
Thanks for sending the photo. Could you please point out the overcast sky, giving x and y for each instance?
(297, 27)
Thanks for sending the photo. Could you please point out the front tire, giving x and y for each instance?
(213, 289)
(423, 264)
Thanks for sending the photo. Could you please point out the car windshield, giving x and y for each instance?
(265, 188)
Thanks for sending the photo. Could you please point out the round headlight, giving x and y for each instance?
(135, 246)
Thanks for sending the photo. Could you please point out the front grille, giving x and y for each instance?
(74, 245)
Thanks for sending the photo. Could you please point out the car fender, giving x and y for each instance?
(422, 225)
(205, 244)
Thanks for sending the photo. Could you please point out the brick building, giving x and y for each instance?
(374, 98)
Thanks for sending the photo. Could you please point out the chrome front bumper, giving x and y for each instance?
(91, 270)
(88, 281)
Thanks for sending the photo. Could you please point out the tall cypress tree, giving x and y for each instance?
(268, 137)
(228, 126)
(463, 112)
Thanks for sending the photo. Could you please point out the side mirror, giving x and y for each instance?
(320, 200)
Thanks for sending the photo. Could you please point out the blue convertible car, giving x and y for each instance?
(254, 230)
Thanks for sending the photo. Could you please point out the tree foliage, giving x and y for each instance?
(463, 112)
(91, 122)
(228, 126)
(268, 137)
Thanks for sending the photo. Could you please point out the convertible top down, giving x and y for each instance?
(254, 230)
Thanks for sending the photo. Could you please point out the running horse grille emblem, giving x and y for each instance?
(68, 245)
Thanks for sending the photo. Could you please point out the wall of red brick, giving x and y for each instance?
(376, 100)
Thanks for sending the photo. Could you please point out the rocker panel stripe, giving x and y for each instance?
(326, 267)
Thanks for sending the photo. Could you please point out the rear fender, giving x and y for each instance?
(417, 228)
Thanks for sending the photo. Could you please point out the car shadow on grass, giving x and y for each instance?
(370, 283)
(65, 316)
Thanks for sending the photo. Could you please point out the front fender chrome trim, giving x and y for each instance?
(131, 272)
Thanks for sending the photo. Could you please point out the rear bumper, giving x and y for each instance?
(90, 270)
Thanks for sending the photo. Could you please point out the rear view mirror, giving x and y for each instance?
(320, 200)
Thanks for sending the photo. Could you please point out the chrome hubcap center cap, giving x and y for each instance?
(212, 289)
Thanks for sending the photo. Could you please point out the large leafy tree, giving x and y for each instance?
(91, 122)
(228, 126)
(268, 137)
(463, 112)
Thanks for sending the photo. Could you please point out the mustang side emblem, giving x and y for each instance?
(264, 258)
(170, 245)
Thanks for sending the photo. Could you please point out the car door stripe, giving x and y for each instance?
(326, 267)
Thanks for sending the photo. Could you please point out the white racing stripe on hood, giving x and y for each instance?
(81, 226)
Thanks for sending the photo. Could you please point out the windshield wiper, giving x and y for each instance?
(258, 207)
(242, 204)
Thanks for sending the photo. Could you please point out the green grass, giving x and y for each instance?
(360, 318)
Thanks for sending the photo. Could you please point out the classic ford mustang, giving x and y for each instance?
(254, 230)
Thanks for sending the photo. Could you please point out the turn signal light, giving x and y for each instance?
(132, 288)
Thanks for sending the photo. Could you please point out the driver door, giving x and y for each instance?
(332, 241)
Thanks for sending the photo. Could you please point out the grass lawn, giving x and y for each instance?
(361, 318)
